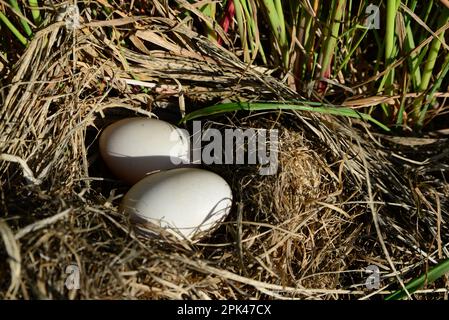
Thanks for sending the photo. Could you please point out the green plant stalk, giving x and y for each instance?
(35, 12)
(415, 71)
(295, 9)
(273, 18)
(377, 66)
(254, 38)
(392, 8)
(308, 37)
(430, 65)
(249, 22)
(283, 34)
(422, 54)
(400, 114)
(429, 10)
(348, 21)
(436, 86)
(409, 46)
(315, 62)
(13, 29)
(425, 17)
(264, 106)
(332, 37)
(400, 118)
(350, 34)
(25, 25)
(381, 45)
(435, 273)
(305, 34)
(276, 24)
(210, 11)
(413, 65)
(351, 52)
(388, 80)
(433, 54)
(380, 52)
(243, 30)
(297, 26)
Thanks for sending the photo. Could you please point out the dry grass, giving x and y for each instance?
(307, 232)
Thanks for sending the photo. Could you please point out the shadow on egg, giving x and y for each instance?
(133, 169)
(155, 227)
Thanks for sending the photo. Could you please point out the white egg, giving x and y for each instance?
(188, 202)
(134, 147)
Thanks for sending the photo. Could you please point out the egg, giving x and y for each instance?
(134, 147)
(188, 202)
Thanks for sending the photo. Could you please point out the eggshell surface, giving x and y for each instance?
(185, 201)
(134, 147)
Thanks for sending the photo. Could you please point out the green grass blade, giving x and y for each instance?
(277, 25)
(435, 273)
(306, 37)
(13, 29)
(352, 50)
(25, 25)
(436, 86)
(392, 8)
(35, 12)
(243, 29)
(415, 71)
(429, 67)
(209, 10)
(433, 54)
(265, 106)
(283, 33)
(390, 49)
(332, 37)
(249, 8)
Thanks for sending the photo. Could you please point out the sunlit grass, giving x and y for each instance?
(273, 106)
(322, 48)
(425, 279)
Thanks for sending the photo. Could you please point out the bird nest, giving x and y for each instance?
(342, 199)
